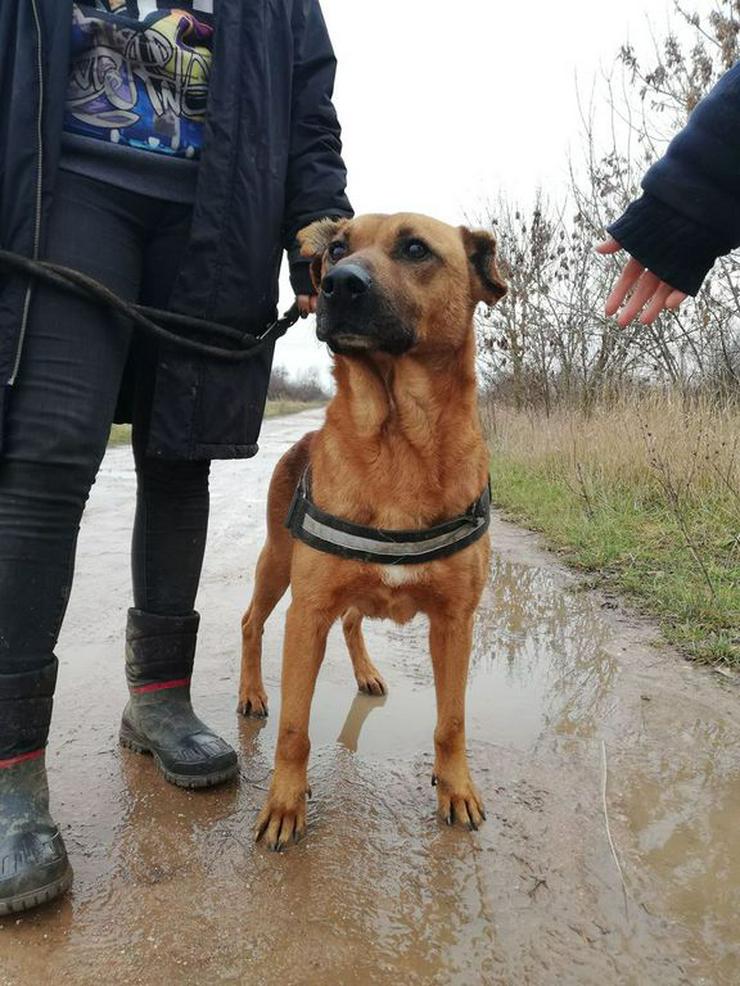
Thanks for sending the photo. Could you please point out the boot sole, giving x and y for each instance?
(131, 742)
(35, 898)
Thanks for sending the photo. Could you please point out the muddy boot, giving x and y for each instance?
(159, 718)
(33, 861)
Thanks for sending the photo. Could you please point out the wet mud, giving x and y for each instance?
(170, 887)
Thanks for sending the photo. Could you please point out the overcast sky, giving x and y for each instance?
(445, 104)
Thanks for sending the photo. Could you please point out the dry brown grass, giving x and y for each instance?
(699, 441)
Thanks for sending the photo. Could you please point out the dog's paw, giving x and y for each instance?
(282, 821)
(253, 703)
(370, 681)
(458, 800)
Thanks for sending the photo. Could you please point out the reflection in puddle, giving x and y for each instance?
(360, 709)
(551, 642)
(538, 662)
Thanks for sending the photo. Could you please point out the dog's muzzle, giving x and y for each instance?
(351, 316)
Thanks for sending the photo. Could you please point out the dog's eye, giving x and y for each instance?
(415, 250)
(337, 251)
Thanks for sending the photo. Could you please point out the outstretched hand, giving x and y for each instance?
(647, 293)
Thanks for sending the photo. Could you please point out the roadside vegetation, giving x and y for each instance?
(623, 446)
(290, 394)
(643, 493)
(279, 408)
(120, 435)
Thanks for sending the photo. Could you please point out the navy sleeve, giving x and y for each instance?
(317, 177)
(689, 213)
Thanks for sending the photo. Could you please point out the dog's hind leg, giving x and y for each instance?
(272, 578)
(369, 679)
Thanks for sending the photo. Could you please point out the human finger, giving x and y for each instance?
(633, 270)
(644, 290)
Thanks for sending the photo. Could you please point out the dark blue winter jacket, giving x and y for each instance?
(271, 164)
(689, 214)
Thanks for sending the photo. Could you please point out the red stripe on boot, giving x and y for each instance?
(21, 758)
(161, 686)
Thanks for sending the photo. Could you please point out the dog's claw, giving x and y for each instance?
(464, 807)
(252, 702)
(282, 820)
(375, 687)
(250, 711)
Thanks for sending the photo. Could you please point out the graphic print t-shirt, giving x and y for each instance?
(139, 73)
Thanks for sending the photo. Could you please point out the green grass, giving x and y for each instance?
(120, 435)
(632, 542)
(277, 409)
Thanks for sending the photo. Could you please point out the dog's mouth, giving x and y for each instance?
(343, 342)
(366, 325)
(346, 340)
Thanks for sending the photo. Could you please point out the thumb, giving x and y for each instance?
(608, 246)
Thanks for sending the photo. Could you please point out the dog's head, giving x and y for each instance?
(396, 283)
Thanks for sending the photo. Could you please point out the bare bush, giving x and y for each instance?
(548, 342)
(306, 388)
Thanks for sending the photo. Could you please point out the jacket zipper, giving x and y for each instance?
(39, 189)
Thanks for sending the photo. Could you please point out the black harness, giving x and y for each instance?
(339, 537)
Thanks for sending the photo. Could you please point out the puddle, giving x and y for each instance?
(170, 887)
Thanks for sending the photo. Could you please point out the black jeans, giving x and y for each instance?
(58, 420)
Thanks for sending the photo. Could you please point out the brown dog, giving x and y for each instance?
(401, 449)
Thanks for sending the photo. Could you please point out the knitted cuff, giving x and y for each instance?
(680, 251)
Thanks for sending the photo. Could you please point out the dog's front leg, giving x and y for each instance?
(450, 644)
(283, 818)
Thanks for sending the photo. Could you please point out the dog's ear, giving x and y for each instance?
(480, 246)
(314, 240)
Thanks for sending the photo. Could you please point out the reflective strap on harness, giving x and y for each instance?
(339, 537)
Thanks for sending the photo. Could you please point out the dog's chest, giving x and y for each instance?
(398, 575)
(391, 592)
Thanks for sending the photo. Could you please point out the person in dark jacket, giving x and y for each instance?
(689, 214)
(171, 149)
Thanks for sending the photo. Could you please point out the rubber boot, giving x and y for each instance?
(159, 718)
(34, 867)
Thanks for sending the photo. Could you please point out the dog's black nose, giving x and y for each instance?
(346, 283)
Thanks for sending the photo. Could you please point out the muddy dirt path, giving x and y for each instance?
(171, 889)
